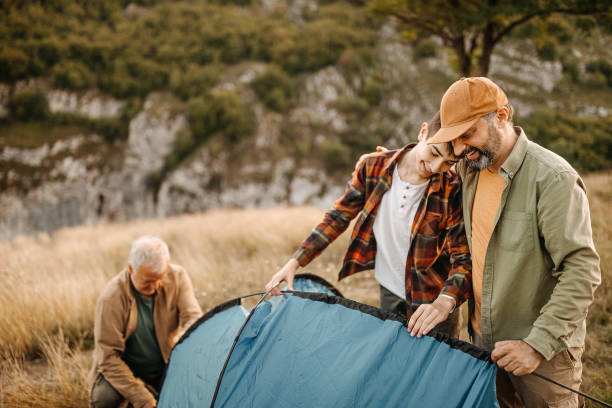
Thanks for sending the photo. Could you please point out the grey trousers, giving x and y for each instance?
(103, 395)
(389, 302)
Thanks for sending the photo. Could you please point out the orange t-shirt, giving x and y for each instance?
(486, 203)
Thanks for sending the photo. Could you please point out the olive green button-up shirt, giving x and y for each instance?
(541, 268)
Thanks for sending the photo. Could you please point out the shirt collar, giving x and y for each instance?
(516, 157)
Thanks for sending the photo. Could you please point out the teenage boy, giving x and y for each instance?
(409, 229)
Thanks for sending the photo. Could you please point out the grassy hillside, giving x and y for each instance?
(129, 49)
(50, 284)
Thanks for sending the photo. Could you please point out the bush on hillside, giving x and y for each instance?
(194, 80)
(321, 42)
(336, 156)
(110, 129)
(219, 112)
(373, 88)
(72, 75)
(601, 66)
(353, 105)
(571, 68)
(425, 48)
(13, 64)
(28, 104)
(547, 49)
(274, 88)
(585, 142)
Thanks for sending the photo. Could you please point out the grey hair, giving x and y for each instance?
(489, 116)
(149, 251)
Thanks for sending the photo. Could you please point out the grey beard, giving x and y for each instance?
(483, 161)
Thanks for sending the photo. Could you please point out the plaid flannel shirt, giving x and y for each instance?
(439, 259)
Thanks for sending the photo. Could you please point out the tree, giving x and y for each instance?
(472, 28)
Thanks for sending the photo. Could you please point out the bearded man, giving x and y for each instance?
(534, 265)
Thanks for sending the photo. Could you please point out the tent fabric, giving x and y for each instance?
(320, 350)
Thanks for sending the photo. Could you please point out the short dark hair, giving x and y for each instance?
(433, 126)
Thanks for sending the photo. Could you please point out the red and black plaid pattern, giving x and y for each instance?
(439, 259)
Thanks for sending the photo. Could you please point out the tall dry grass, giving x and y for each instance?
(50, 285)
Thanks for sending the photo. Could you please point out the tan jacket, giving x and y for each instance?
(116, 315)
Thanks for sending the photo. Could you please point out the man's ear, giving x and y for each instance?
(503, 115)
(130, 270)
(423, 132)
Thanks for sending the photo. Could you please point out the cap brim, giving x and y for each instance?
(446, 134)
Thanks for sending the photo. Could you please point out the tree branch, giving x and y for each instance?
(537, 13)
(422, 24)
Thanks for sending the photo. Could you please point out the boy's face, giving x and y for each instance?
(432, 158)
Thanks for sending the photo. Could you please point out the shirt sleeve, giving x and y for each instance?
(337, 219)
(458, 285)
(110, 343)
(565, 226)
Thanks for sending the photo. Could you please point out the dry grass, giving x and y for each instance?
(50, 285)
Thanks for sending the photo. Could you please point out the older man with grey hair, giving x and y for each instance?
(139, 315)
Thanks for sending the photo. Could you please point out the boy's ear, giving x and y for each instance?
(423, 132)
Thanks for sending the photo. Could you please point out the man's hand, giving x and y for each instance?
(151, 404)
(516, 357)
(286, 273)
(366, 155)
(426, 317)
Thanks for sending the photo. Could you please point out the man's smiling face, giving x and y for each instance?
(479, 145)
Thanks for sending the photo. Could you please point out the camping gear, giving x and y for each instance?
(314, 348)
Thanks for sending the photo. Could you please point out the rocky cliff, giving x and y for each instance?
(82, 178)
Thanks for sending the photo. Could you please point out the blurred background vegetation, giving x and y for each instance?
(130, 48)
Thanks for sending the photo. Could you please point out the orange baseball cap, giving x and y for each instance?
(464, 102)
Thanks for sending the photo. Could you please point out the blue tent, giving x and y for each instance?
(314, 348)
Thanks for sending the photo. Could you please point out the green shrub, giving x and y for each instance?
(354, 60)
(571, 69)
(195, 80)
(601, 66)
(50, 51)
(560, 29)
(425, 49)
(220, 112)
(110, 129)
(321, 42)
(72, 75)
(353, 105)
(585, 24)
(547, 50)
(13, 64)
(336, 156)
(585, 142)
(527, 30)
(28, 104)
(373, 88)
(274, 88)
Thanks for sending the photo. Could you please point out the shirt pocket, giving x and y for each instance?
(514, 232)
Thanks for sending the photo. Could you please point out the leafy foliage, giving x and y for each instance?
(182, 46)
(473, 29)
(219, 112)
(28, 104)
(274, 88)
(584, 142)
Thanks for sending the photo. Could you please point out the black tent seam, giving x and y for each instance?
(467, 348)
(235, 302)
